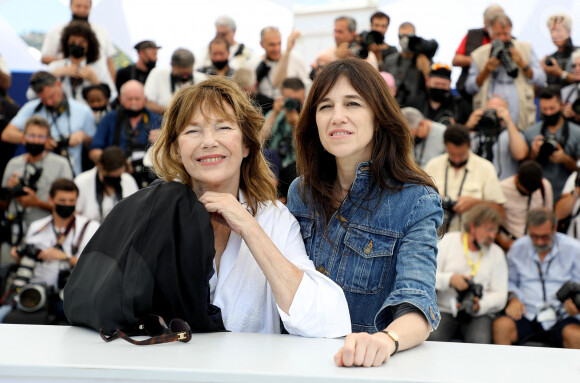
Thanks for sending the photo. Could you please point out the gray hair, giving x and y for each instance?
(226, 21)
(502, 19)
(266, 30)
(537, 217)
(182, 58)
(480, 214)
(560, 17)
(491, 11)
(351, 23)
(245, 78)
(413, 117)
(575, 55)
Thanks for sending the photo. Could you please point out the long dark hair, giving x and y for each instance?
(392, 159)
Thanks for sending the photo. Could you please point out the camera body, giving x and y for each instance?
(489, 124)
(569, 290)
(61, 146)
(447, 204)
(419, 45)
(291, 104)
(500, 50)
(28, 258)
(548, 61)
(549, 146)
(466, 298)
(365, 39)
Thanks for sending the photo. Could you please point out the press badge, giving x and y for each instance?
(546, 313)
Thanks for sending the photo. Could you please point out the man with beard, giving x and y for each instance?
(162, 83)
(147, 51)
(80, 10)
(539, 264)
(131, 126)
(467, 259)
(463, 178)
(554, 142)
(275, 67)
(218, 53)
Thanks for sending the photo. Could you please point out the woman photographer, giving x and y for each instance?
(369, 215)
(79, 67)
(210, 142)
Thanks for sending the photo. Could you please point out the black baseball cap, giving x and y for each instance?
(146, 44)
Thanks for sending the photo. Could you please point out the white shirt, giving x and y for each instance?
(492, 273)
(4, 66)
(87, 204)
(296, 68)
(158, 85)
(47, 272)
(246, 59)
(241, 290)
(51, 43)
(101, 70)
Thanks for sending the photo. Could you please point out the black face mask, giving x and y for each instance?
(80, 18)
(457, 165)
(112, 181)
(34, 149)
(64, 211)
(186, 78)
(76, 51)
(439, 95)
(551, 119)
(150, 64)
(99, 108)
(133, 113)
(220, 64)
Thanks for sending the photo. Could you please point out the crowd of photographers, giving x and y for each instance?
(509, 260)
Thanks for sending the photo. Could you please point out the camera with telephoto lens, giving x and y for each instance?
(569, 290)
(365, 39)
(466, 298)
(33, 297)
(419, 45)
(28, 258)
(61, 146)
(489, 124)
(548, 61)
(549, 146)
(291, 104)
(500, 50)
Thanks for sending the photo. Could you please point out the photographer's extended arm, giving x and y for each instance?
(281, 71)
(565, 204)
(12, 135)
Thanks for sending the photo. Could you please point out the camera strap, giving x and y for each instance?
(460, 186)
(473, 267)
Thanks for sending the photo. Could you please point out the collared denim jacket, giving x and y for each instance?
(382, 249)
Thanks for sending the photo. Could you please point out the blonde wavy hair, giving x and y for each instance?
(212, 96)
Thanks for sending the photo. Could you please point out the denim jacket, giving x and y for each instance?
(383, 251)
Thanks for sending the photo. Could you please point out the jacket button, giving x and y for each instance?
(431, 311)
(369, 248)
(322, 270)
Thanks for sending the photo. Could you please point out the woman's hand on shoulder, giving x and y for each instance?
(227, 210)
(364, 349)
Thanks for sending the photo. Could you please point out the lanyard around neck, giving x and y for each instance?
(473, 267)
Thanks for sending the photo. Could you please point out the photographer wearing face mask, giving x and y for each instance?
(132, 127)
(56, 242)
(27, 178)
(554, 142)
(539, 264)
(102, 187)
(441, 104)
(218, 53)
(471, 279)
(147, 60)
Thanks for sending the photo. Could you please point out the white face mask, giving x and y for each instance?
(404, 43)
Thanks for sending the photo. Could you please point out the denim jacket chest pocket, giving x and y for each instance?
(366, 259)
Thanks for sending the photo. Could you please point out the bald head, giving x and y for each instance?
(132, 95)
(496, 103)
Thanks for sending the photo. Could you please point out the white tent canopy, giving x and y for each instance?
(15, 51)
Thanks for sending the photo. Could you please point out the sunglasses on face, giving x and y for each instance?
(155, 327)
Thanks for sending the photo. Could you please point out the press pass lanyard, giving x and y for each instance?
(473, 267)
(542, 277)
(460, 186)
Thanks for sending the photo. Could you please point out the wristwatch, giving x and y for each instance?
(395, 339)
(564, 75)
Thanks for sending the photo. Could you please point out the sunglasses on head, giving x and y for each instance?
(155, 327)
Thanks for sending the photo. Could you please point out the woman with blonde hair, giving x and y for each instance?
(210, 142)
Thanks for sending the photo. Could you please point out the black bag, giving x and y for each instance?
(153, 254)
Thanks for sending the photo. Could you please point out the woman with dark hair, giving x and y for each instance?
(80, 68)
(210, 141)
(368, 214)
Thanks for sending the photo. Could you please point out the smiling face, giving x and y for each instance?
(211, 149)
(346, 124)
